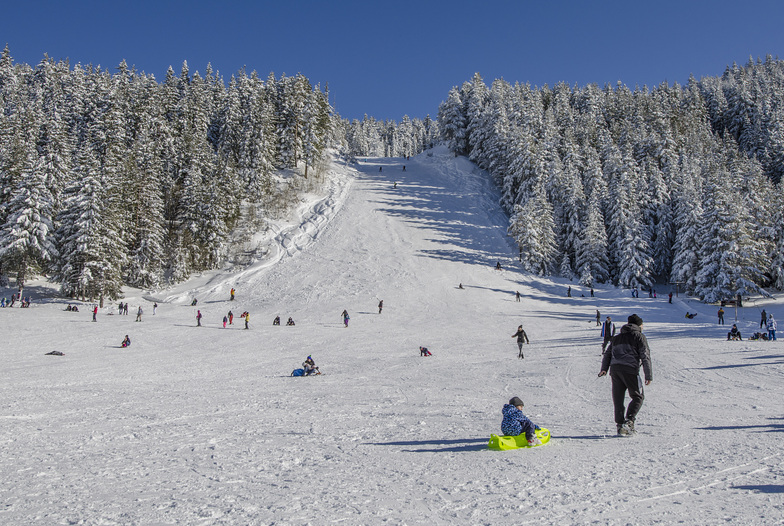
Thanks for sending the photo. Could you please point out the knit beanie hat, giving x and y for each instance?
(515, 401)
(635, 319)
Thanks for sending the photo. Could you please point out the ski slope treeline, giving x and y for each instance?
(373, 138)
(109, 179)
(677, 183)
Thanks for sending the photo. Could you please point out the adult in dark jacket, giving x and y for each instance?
(522, 338)
(623, 357)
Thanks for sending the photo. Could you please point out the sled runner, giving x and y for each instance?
(502, 443)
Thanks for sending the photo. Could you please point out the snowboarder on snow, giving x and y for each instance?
(516, 423)
(522, 338)
(627, 351)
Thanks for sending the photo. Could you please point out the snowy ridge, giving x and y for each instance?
(204, 425)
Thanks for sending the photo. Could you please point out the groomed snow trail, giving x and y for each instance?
(205, 426)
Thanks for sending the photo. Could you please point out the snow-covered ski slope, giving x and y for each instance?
(205, 426)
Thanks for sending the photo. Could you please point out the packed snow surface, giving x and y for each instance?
(205, 425)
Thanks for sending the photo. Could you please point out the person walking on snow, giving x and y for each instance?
(608, 331)
(345, 318)
(95, 313)
(598, 318)
(623, 358)
(225, 319)
(380, 306)
(763, 319)
(232, 294)
(247, 319)
(517, 295)
(198, 318)
(516, 423)
(771, 328)
(154, 308)
(522, 338)
(139, 314)
(569, 292)
(721, 316)
(231, 318)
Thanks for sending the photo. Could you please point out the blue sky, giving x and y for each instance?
(389, 59)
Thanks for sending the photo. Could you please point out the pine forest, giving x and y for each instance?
(112, 179)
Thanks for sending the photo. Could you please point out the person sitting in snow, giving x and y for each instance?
(424, 352)
(126, 342)
(276, 321)
(516, 423)
(690, 316)
(734, 333)
(290, 322)
(310, 367)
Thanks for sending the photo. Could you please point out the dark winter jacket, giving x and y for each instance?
(515, 422)
(608, 330)
(522, 337)
(628, 350)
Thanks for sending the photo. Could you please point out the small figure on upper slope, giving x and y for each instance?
(516, 423)
(380, 306)
(232, 294)
(345, 317)
(194, 302)
(198, 318)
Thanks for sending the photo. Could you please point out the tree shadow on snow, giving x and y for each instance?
(468, 444)
(765, 488)
(763, 428)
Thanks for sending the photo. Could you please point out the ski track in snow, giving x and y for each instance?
(205, 425)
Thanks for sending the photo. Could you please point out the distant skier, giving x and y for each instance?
(522, 338)
(380, 306)
(198, 318)
(516, 423)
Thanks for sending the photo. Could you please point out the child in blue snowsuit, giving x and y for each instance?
(516, 423)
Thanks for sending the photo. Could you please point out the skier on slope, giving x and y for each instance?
(516, 423)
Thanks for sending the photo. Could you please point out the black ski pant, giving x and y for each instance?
(623, 381)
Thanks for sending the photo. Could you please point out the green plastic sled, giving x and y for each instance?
(502, 443)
